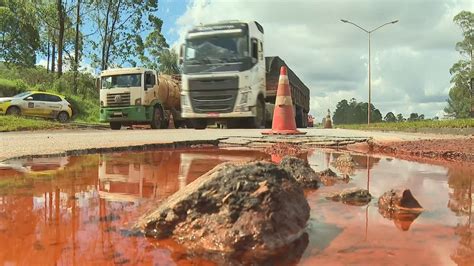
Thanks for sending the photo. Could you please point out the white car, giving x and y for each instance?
(37, 103)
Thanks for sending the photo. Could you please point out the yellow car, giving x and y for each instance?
(37, 103)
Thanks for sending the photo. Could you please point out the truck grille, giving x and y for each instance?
(213, 94)
(221, 101)
(118, 99)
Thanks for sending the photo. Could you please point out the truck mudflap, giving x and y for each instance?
(126, 114)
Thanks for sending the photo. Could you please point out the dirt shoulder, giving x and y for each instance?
(460, 150)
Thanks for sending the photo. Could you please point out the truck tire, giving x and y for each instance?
(299, 117)
(199, 123)
(115, 125)
(259, 120)
(157, 120)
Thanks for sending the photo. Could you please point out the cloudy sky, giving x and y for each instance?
(410, 59)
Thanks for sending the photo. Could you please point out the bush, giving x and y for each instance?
(84, 99)
(11, 87)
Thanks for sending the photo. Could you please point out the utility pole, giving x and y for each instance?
(370, 82)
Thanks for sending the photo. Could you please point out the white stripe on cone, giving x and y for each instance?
(283, 80)
(283, 100)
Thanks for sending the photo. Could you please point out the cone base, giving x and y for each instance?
(283, 132)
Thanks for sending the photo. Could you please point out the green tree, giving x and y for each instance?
(390, 117)
(19, 35)
(400, 118)
(169, 62)
(354, 112)
(341, 113)
(413, 117)
(120, 25)
(460, 101)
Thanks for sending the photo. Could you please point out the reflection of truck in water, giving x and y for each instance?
(227, 78)
(131, 96)
(129, 177)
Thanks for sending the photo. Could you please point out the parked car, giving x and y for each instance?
(37, 103)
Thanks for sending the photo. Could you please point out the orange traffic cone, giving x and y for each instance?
(283, 115)
(171, 122)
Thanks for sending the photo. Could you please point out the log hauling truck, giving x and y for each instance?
(130, 96)
(226, 78)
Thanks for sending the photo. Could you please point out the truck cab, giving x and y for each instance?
(223, 74)
(129, 96)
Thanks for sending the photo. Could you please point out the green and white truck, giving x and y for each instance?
(134, 96)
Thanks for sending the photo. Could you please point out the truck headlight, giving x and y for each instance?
(138, 101)
(101, 103)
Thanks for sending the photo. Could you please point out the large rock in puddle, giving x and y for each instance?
(301, 171)
(255, 206)
(329, 178)
(400, 206)
(352, 196)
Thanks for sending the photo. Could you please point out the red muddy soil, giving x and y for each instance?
(76, 211)
(434, 151)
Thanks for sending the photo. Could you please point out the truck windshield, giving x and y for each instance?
(216, 49)
(120, 81)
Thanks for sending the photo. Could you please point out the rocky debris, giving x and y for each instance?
(301, 171)
(400, 206)
(344, 160)
(352, 196)
(234, 207)
(329, 178)
(398, 200)
(284, 149)
(345, 164)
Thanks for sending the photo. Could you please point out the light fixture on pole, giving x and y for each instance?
(369, 32)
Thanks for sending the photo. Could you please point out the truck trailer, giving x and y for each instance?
(134, 96)
(226, 78)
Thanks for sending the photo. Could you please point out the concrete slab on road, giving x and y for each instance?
(32, 143)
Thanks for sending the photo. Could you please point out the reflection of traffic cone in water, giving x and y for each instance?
(171, 123)
(283, 115)
(328, 121)
(276, 158)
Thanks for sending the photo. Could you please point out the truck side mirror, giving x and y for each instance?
(97, 83)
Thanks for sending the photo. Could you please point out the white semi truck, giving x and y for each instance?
(226, 78)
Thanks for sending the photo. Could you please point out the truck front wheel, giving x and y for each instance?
(259, 120)
(115, 125)
(157, 121)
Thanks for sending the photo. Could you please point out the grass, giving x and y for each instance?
(414, 125)
(13, 123)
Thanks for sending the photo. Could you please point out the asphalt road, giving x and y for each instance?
(17, 144)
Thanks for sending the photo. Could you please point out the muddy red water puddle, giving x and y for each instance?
(75, 210)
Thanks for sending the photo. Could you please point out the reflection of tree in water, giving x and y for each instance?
(358, 162)
(460, 202)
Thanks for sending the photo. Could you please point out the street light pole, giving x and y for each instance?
(370, 82)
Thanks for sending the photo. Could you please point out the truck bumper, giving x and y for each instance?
(218, 115)
(126, 114)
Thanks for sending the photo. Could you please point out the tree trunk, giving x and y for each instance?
(76, 45)
(53, 56)
(60, 36)
(47, 61)
(115, 16)
(105, 39)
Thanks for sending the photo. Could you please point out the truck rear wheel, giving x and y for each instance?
(158, 118)
(115, 125)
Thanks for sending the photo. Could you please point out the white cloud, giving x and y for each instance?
(410, 59)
